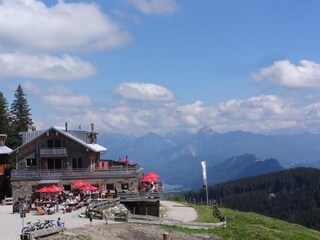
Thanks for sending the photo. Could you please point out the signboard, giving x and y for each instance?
(22, 215)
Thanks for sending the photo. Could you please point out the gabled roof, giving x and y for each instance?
(91, 146)
(5, 150)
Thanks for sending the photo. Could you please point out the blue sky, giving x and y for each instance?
(135, 66)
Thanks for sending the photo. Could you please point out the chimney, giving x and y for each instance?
(66, 126)
(92, 127)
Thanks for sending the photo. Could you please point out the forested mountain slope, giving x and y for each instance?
(292, 195)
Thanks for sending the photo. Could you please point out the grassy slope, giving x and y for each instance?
(242, 225)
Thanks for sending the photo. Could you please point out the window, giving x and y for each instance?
(57, 143)
(50, 143)
(54, 163)
(31, 162)
(50, 163)
(110, 186)
(57, 163)
(67, 187)
(124, 186)
(77, 163)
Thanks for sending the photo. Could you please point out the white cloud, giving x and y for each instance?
(31, 25)
(260, 114)
(144, 92)
(44, 67)
(257, 114)
(157, 7)
(284, 73)
(190, 114)
(255, 108)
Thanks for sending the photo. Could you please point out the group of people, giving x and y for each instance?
(149, 187)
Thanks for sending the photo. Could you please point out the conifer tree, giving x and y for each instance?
(20, 117)
(4, 115)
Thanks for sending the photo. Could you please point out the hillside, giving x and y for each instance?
(240, 226)
(292, 195)
(247, 226)
(237, 167)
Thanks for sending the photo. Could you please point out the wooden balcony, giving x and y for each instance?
(72, 174)
(49, 152)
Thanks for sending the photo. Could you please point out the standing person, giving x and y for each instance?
(90, 216)
(116, 192)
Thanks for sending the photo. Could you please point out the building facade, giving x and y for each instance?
(61, 156)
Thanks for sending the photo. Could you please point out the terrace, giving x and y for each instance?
(72, 174)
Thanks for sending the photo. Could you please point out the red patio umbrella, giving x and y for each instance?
(55, 188)
(153, 174)
(148, 179)
(44, 190)
(88, 187)
(79, 183)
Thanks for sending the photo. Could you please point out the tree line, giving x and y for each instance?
(16, 119)
(292, 195)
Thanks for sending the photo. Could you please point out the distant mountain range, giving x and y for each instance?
(176, 156)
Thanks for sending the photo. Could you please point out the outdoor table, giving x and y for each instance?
(72, 205)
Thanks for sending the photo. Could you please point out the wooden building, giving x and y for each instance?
(4, 154)
(61, 156)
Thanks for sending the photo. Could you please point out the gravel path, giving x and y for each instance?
(178, 211)
(11, 224)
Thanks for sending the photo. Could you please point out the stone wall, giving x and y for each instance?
(23, 189)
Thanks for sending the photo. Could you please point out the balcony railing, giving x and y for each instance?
(53, 151)
(71, 174)
(127, 195)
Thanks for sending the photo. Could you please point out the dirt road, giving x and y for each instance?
(178, 211)
(129, 231)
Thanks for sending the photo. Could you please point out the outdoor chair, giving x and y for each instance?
(41, 211)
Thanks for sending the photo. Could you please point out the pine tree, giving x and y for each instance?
(20, 117)
(4, 115)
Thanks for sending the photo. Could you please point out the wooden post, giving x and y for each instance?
(166, 236)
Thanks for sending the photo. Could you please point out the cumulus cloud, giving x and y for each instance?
(44, 67)
(144, 92)
(284, 73)
(259, 114)
(157, 7)
(255, 108)
(31, 25)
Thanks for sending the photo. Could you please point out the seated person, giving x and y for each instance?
(60, 223)
(51, 210)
